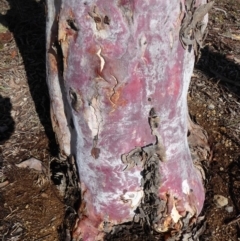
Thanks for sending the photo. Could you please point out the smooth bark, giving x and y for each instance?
(118, 76)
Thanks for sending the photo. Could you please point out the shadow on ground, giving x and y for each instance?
(6, 121)
(6, 129)
(26, 20)
(224, 70)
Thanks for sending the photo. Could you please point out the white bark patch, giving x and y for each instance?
(143, 45)
(102, 61)
(171, 39)
(133, 197)
(93, 116)
(175, 214)
(185, 187)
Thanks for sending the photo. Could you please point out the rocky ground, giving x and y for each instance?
(31, 205)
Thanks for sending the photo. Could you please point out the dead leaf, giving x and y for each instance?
(3, 184)
(235, 37)
(200, 12)
(32, 163)
(13, 53)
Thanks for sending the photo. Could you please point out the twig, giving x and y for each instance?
(237, 219)
(221, 10)
(12, 212)
(223, 78)
(229, 237)
(43, 237)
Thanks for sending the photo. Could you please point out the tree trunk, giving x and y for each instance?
(118, 76)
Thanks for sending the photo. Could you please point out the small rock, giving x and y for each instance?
(221, 168)
(17, 231)
(13, 113)
(17, 81)
(44, 195)
(229, 209)
(220, 201)
(211, 107)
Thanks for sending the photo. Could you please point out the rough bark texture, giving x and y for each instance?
(118, 75)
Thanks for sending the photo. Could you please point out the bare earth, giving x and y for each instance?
(31, 205)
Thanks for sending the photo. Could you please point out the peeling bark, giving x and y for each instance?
(118, 75)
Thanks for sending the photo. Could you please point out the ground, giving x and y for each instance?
(31, 206)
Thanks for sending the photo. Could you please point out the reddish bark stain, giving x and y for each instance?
(95, 152)
(117, 100)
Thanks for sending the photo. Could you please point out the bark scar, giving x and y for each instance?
(139, 155)
(99, 20)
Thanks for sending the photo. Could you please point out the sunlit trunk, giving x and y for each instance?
(118, 76)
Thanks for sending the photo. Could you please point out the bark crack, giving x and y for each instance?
(113, 98)
(95, 152)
